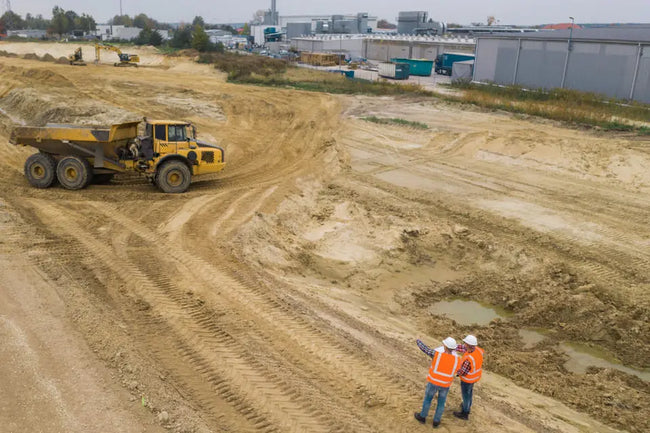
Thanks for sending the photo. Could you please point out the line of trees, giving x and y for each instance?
(194, 36)
(64, 22)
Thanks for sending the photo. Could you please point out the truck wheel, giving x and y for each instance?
(74, 172)
(173, 177)
(40, 170)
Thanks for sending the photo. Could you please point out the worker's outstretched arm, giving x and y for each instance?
(423, 347)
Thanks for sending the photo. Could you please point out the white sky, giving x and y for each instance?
(519, 12)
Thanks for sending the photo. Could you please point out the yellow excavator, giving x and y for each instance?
(125, 59)
(76, 58)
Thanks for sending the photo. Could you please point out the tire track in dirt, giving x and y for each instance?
(339, 368)
(279, 321)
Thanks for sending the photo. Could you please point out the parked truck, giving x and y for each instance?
(168, 154)
(445, 62)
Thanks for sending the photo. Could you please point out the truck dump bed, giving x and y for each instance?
(87, 141)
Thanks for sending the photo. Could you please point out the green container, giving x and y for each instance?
(420, 67)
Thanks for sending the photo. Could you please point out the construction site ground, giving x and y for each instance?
(285, 294)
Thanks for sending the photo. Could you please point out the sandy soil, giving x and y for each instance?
(285, 293)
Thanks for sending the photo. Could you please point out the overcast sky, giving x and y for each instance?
(463, 11)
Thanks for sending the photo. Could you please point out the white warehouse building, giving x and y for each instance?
(614, 62)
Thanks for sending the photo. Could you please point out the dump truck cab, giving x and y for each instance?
(166, 141)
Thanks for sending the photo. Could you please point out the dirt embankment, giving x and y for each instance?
(285, 293)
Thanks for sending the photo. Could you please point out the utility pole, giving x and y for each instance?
(568, 53)
(120, 7)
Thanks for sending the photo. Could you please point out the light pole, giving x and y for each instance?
(568, 53)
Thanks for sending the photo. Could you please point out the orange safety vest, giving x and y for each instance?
(476, 361)
(443, 368)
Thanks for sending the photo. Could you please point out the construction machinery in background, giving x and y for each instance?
(168, 154)
(76, 58)
(125, 59)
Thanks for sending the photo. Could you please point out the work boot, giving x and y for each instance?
(462, 415)
(436, 424)
(419, 417)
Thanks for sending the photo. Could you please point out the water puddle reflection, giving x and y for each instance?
(532, 336)
(467, 312)
(581, 357)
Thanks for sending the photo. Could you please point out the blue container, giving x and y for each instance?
(419, 67)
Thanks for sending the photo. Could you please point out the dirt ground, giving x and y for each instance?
(285, 294)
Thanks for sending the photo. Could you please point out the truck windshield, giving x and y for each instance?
(177, 133)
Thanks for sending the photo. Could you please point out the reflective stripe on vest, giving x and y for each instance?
(442, 370)
(476, 362)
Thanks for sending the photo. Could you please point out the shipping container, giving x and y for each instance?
(396, 71)
(419, 67)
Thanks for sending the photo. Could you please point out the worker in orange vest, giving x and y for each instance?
(471, 368)
(444, 365)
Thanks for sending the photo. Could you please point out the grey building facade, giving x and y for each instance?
(614, 62)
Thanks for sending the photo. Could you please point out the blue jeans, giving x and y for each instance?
(429, 393)
(466, 390)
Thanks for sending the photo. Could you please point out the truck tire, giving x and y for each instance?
(74, 172)
(173, 177)
(40, 170)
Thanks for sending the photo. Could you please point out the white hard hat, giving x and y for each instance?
(471, 340)
(450, 343)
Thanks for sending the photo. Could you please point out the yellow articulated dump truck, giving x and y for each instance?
(168, 153)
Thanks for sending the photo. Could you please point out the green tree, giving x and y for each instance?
(200, 40)
(246, 30)
(71, 16)
(198, 21)
(85, 23)
(182, 38)
(59, 24)
(12, 21)
(121, 20)
(156, 39)
(143, 21)
(36, 22)
(144, 37)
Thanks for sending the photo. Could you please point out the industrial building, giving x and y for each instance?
(108, 32)
(418, 23)
(299, 25)
(614, 62)
(383, 47)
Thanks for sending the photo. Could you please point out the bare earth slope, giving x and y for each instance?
(285, 293)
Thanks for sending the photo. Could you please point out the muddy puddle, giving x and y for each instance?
(582, 357)
(468, 312)
(532, 336)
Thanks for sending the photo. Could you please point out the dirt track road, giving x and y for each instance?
(285, 293)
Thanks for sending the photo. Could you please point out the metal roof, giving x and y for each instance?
(612, 34)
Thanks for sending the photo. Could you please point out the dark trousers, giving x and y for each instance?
(466, 390)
